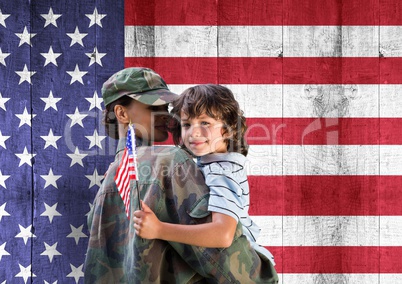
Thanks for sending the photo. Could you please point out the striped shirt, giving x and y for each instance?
(229, 192)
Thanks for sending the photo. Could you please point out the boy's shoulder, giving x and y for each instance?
(223, 158)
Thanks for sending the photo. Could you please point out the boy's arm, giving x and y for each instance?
(217, 234)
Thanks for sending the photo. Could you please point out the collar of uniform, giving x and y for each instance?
(222, 157)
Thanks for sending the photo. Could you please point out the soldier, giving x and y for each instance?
(212, 128)
(172, 186)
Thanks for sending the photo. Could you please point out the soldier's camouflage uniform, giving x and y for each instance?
(171, 184)
(173, 187)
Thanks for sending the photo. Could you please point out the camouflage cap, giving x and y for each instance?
(140, 83)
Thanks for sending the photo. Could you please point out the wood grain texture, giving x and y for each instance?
(314, 100)
(391, 41)
(262, 41)
(324, 160)
(353, 278)
(333, 41)
(329, 230)
(330, 210)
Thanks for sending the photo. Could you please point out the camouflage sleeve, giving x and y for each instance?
(108, 226)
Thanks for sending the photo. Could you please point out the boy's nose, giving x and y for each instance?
(195, 131)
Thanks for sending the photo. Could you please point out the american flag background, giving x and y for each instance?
(320, 85)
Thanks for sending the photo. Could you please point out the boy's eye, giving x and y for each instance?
(185, 125)
(204, 123)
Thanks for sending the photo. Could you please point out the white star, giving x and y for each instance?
(3, 178)
(25, 118)
(25, 37)
(3, 56)
(76, 233)
(77, 117)
(3, 211)
(51, 101)
(76, 272)
(55, 282)
(25, 272)
(76, 75)
(3, 102)
(25, 233)
(50, 251)
(25, 157)
(50, 18)
(3, 250)
(50, 56)
(95, 18)
(50, 211)
(90, 208)
(94, 178)
(25, 75)
(76, 158)
(95, 101)
(3, 139)
(77, 37)
(95, 140)
(3, 17)
(51, 179)
(50, 139)
(95, 57)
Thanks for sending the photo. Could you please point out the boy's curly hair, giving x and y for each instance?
(217, 102)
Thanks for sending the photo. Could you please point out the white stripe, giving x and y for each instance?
(391, 41)
(261, 41)
(250, 41)
(330, 41)
(266, 100)
(275, 160)
(264, 160)
(323, 160)
(329, 230)
(391, 100)
(313, 160)
(170, 41)
(330, 101)
(353, 278)
(391, 157)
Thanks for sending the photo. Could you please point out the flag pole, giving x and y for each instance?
(134, 150)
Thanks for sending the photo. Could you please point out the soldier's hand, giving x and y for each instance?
(146, 224)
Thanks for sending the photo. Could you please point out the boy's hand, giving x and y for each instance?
(146, 224)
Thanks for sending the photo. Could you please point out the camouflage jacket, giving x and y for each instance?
(171, 184)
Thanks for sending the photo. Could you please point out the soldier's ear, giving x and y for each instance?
(121, 113)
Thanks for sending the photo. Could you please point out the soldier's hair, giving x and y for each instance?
(109, 119)
(217, 102)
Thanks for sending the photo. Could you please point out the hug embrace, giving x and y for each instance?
(193, 226)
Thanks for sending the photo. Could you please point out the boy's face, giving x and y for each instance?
(202, 135)
(150, 121)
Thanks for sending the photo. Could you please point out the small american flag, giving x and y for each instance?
(126, 172)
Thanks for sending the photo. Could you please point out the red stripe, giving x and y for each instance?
(170, 12)
(321, 195)
(337, 259)
(274, 70)
(269, 12)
